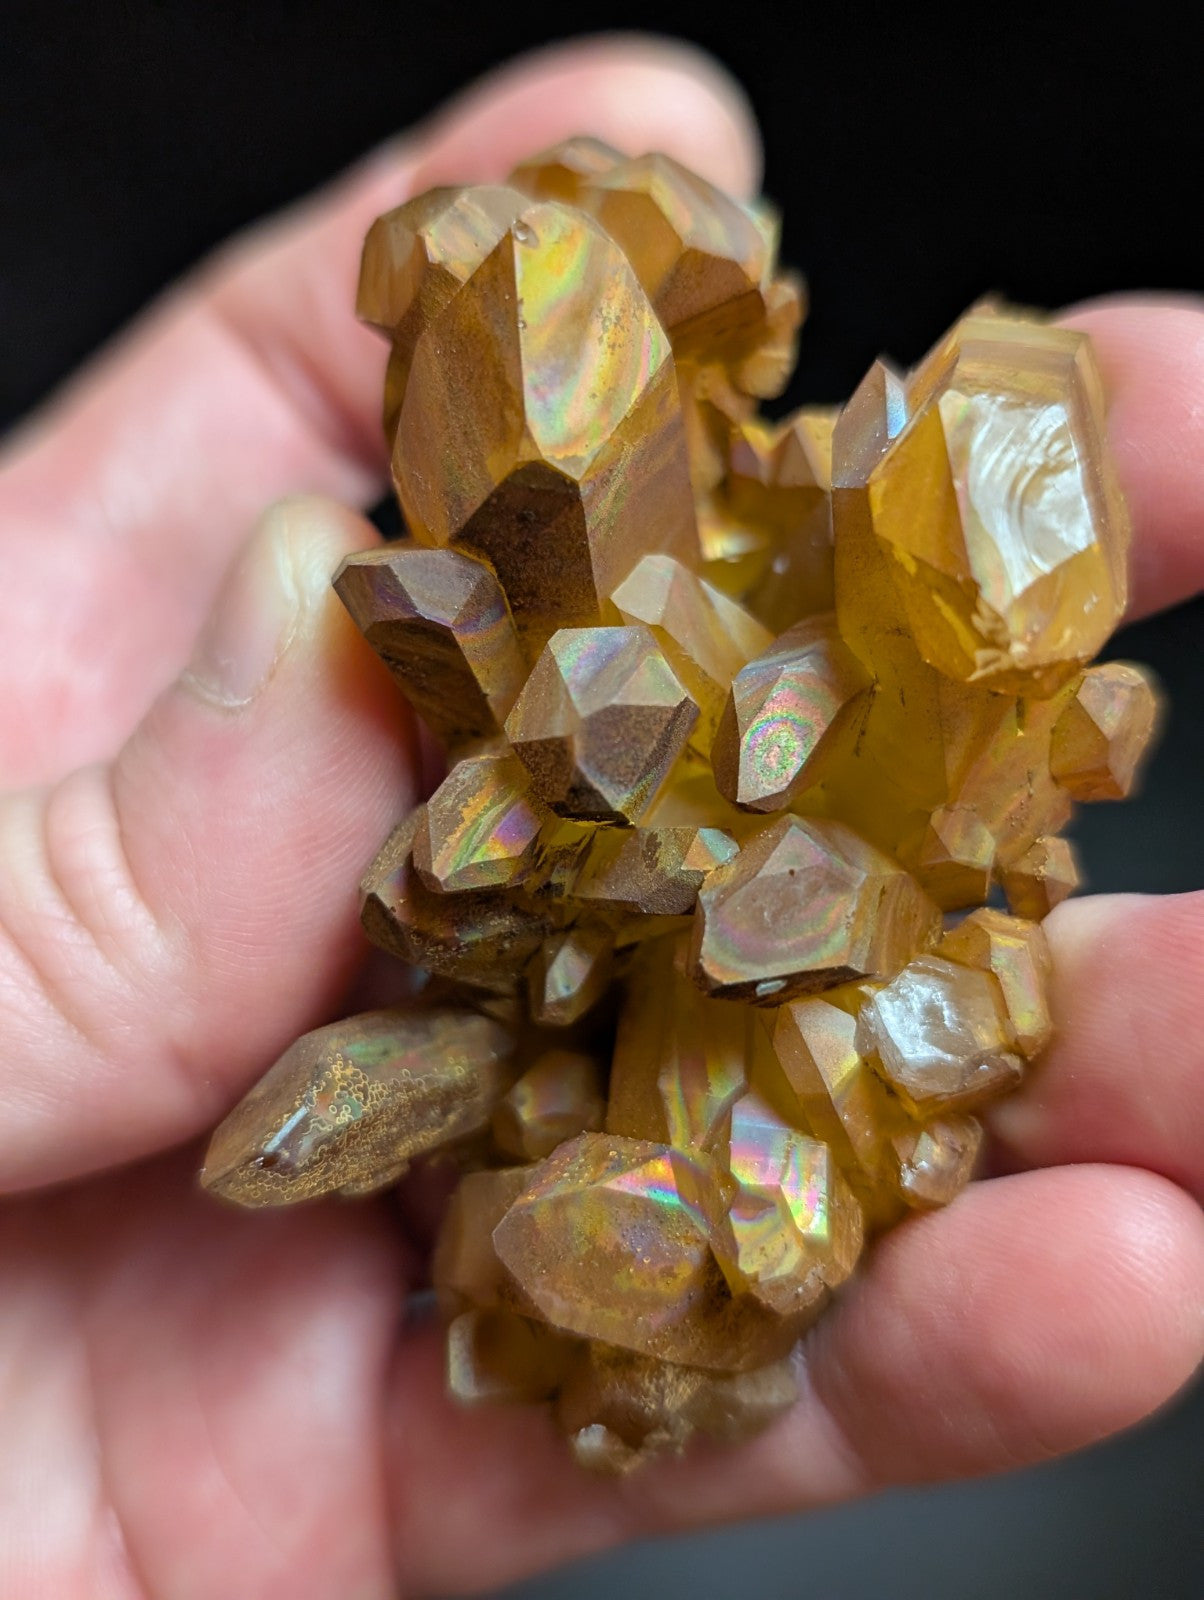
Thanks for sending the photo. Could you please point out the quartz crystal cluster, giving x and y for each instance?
(752, 730)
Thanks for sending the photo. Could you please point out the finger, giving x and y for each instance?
(170, 923)
(1124, 1080)
(130, 494)
(1036, 1315)
(1151, 354)
(190, 1396)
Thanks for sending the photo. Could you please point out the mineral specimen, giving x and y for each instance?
(746, 723)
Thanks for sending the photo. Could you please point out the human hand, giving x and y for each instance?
(199, 1403)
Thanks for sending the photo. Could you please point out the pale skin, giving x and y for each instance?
(199, 755)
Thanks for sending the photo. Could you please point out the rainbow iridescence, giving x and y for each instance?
(745, 723)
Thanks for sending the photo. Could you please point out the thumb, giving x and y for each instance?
(170, 921)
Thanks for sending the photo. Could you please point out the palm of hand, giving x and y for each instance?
(196, 1402)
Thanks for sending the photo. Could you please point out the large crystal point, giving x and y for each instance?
(994, 511)
(350, 1105)
(541, 427)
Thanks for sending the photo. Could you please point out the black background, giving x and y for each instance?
(921, 159)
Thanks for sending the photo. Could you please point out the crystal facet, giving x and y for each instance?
(350, 1105)
(600, 721)
(805, 905)
(786, 715)
(440, 623)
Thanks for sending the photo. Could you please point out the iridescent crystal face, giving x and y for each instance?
(745, 722)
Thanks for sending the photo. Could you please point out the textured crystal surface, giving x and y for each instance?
(751, 727)
(805, 905)
(600, 722)
(441, 624)
(350, 1105)
(788, 715)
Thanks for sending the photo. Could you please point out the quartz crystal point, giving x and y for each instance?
(417, 257)
(564, 171)
(992, 509)
(479, 830)
(440, 623)
(480, 937)
(793, 1229)
(940, 1036)
(805, 905)
(786, 716)
(1017, 953)
(699, 256)
(779, 481)
(612, 1239)
(651, 872)
(1041, 878)
(705, 636)
(748, 725)
(600, 721)
(569, 974)
(558, 1097)
(565, 455)
(350, 1105)
(1102, 732)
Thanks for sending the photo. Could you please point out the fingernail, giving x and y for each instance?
(253, 621)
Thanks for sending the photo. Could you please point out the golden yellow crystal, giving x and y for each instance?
(350, 1105)
(415, 260)
(558, 1097)
(1017, 952)
(482, 936)
(828, 1087)
(956, 857)
(1041, 878)
(569, 974)
(600, 721)
(936, 1160)
(1103, 732)
(562, 172)
(541, 427)
(780, 482)
(565, 1248)
(939, 1036)
(805, 905)
(788, 715)
(651, 872)
(699, 255)
(706, 638)
(680, 1060)
(565, 1240)
(479, 828)
(992, 507)
(441, 624)
(793, 1229)
(640, 616)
